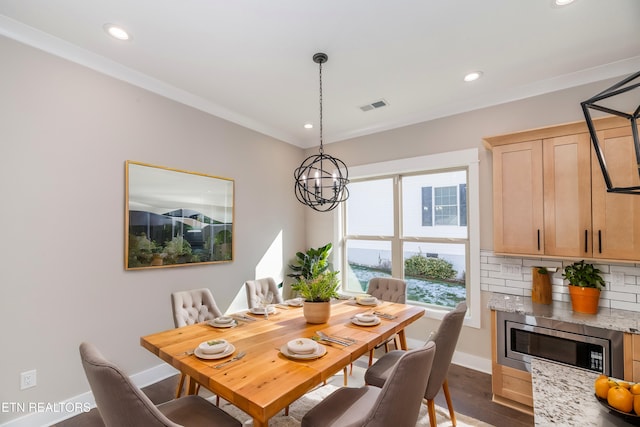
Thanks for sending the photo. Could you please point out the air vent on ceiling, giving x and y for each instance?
(374, 105)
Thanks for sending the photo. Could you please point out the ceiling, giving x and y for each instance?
(250, 61)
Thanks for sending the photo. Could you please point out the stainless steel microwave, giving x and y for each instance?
(521, 337)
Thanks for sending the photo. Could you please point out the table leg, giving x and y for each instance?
(259, 423)
(192, 386)
(403, 340)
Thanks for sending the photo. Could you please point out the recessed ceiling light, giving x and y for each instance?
(308, 126)
(116, 32)
(563, 2)
(473, 76)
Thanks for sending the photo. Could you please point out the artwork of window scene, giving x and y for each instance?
(176, 217)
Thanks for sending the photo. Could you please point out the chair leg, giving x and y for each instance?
(180, 385)
(431, 407)
(447, 396)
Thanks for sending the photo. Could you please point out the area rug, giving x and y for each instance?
(309, 400)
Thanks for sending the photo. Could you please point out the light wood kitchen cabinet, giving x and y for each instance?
(542, 196)
(567, 195)
(616, 217)
(632, 357)
(549, 197)
(511, 387)
(517, 198)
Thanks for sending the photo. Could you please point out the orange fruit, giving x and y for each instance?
(620, 398)
(602, 387)
(624, 384)
(635, 389)
(636, 404)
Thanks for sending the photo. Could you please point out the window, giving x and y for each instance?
(413, 224)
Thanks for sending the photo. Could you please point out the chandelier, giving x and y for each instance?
(321, 180)
(596, 103)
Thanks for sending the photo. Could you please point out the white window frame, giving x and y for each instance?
(434, 162)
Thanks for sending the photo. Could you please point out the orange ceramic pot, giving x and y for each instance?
(584, 300)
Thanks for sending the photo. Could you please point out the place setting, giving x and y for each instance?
(292, 303)
(223, 322)
(367, 300)
(365, 319)
(303, 349)
(214, 349)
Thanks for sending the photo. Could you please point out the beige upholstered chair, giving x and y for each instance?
(193, 306)
(189, 307)
(257, 289)
(122, 404)
(397, 403)
(445, 339)
(387, 289)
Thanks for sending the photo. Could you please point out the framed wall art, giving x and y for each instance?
(176, 218)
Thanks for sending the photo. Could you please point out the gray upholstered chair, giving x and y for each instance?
(387, 289)
(189, 307)
(193, 306)
(257, 289)
(397, 403)
(122, 404)
(446, 339)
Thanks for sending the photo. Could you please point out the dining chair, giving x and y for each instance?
(189, 307)
(445, 338)
(122, 404)
(259, 288)
(397, 403)
(392, 290)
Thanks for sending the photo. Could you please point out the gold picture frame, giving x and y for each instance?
(176, 218)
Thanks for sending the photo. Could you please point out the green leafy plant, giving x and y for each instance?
(583, 275)
(432, 268)
(312, 263)
(178, 250)
(321, 288)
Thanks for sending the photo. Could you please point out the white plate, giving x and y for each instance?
(359, 323)
(368, 303)
(260, 310)
(220, 355)
(321, 351)
(222, 325)
(302, 345)
(294, 302)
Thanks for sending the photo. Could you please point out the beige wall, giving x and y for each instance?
(65, 133)
(458, 132)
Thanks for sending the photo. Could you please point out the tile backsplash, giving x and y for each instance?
(512, 275)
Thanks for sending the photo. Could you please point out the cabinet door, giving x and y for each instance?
(517, 198)
(616, 217)
(567, 195)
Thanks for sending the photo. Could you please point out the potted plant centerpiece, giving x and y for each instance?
(315, 283)
(585, 284)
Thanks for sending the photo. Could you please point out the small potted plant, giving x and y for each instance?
(585, 284)
(317, 294)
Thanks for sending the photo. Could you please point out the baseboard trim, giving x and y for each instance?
(463, 359)
(77, 404)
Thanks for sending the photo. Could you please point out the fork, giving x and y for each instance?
(233, 359)
(333, 340)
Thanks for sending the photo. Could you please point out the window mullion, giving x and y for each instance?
(397, 262)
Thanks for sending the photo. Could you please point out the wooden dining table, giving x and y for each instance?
(265, 381)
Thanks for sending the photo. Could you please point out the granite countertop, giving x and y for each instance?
(616, 320)
(564, 396)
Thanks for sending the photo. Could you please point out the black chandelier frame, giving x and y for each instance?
(321, 180)
(619, 88)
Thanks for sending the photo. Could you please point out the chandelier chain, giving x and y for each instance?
(321, 149)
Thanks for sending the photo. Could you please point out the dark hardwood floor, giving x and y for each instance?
(470, 391)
